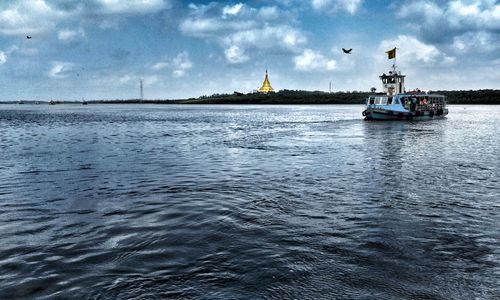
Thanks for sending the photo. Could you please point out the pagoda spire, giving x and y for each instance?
(266, 86)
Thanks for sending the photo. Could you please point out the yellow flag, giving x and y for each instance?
(391, 53)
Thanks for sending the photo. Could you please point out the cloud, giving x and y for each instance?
(26, 51)
(268, 37)
(160, 65)
(477, 42)
(150, 80)
(310, 60)
(231, 10)
(243, 31)
(124, 79)
(413, 53)
(60, 70)
(235, 55)
(440, 22)
(409, 48)
(269, 13)
(3, 58)
(20, 17)
(70, 36)
(332, 6)
(179, 64)
(136, 7)
(27, 17)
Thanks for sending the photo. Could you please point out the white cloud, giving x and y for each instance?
(33, 17)
(242, 30)
(478, 42)
(200, 27)
(24, 50)
(109, 24)
(231, 10)
(410, 49)
(235, 55)
(269, 12)
(310, 60)
(124, 79)
(132, 6)
(281, 36)
(213, 27)
(68, 36)
(441, 22)
(27, 17)
(349, 6)
(3, 58)
(477, 13)
(160, 65)
(150, 80)
(430, 11)
(60, 70)
(179, 64)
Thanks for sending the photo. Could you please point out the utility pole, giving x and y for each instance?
(142, 92)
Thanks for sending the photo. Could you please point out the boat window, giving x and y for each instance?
(372, 100)
(389, 100)
(381, 100)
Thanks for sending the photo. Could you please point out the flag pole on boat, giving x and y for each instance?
(390, 55)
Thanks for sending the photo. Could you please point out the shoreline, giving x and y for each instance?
(287, 97)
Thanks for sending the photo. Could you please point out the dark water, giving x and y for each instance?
(247, 202)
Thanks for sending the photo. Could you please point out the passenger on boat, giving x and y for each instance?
(413, 104)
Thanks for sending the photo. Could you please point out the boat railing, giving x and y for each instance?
(429, 107)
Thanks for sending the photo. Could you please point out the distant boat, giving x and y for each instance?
(84, 103)
(52, 102)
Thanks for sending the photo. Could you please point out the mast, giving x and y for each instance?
(394, 82)
(394, 65)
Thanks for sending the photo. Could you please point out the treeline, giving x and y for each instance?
(472, 97)
(282, 97)
(318, 97)
(301, 97)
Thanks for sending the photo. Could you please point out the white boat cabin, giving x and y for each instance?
(394, 83)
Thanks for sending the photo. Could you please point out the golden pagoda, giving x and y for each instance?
(266, 86)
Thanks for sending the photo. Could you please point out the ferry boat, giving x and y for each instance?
(397, 104)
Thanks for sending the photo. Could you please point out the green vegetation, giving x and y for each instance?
(317, 97)
(302, 97)
(472, 97)
(283, 97)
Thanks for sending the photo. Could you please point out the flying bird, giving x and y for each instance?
(29, 37)
(347, 51)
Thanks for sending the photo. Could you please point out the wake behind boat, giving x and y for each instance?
(397, 104)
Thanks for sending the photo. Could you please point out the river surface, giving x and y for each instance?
(247, 202)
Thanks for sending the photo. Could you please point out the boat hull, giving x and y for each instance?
(384, 114)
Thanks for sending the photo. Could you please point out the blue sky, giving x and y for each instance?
(100, 49)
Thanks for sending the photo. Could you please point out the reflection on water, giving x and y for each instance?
(218, 202)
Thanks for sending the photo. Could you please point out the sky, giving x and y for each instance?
(101, 49)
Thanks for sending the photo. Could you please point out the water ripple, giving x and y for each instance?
(247, 202)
